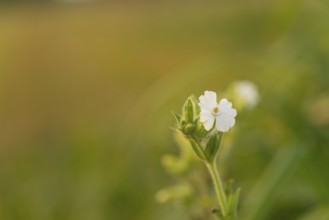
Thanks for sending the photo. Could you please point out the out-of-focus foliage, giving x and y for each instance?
(86, 92)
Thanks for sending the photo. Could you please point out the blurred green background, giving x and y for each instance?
(86, 91)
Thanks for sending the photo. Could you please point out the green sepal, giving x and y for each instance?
(188, 111)
(200, 130)
(177, 117)
(200, 153)
(213, 146)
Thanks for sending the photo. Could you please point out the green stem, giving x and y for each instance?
(220, 193)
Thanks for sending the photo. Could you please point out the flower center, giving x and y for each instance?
(215, 111)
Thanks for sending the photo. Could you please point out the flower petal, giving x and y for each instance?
(209, 123)
(226, 107)
(208, 101)
(204, 107)
(212, 98)
(224, 104)
(224, 122)
(231, 112)
(205, 116)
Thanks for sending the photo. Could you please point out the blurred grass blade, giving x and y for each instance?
(320, 213)
(260, 199)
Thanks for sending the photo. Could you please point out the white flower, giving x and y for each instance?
(221, 112)
(247, 91)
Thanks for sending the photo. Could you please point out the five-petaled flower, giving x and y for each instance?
(221, 112)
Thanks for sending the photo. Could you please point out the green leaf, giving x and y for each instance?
(198, 149)
(233, 202)
(213, 146)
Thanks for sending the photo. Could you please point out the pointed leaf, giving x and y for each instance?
(233, 203)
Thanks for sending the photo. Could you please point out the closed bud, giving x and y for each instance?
(188, 129)
(188, 111)
(195, 103)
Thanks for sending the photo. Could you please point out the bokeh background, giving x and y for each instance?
(87, 89)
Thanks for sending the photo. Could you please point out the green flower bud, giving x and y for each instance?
(188, 129)
(195, 104)
(188, 111)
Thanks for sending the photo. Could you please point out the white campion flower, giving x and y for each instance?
(248, 92)
(221, 112)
